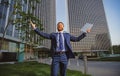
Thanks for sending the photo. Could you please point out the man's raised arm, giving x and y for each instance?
(75, 39)
(45, 35)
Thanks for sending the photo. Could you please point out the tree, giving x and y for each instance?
(20, 19)
(116, 49)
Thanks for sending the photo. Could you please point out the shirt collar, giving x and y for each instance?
(60, 31)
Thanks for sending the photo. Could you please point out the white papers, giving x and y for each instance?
(86, 26)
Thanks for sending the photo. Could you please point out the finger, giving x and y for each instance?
(31, 22)
(89, 30)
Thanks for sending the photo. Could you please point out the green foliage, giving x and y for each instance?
(20, 17)
(31, 69)
(106, 59)
(116, 49)
(23, 17)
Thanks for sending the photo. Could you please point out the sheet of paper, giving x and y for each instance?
(86, 26)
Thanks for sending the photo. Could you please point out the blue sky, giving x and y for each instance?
(112, 11)
(61, 12)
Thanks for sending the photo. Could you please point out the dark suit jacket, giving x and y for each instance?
(67, 37)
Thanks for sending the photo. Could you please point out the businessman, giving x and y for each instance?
(60, 47)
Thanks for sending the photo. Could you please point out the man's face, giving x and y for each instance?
(60, 26)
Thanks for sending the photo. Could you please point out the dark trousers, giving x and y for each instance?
(59, 62)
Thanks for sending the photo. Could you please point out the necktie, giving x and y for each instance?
(60, 41)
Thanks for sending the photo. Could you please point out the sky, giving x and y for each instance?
(61, 12)
(112, 11)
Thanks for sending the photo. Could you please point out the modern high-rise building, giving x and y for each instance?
(81, 12)
(45, 11)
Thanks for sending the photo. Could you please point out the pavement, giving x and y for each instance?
(94, 68)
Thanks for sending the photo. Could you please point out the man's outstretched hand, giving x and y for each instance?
(88, 30)
(33, 25)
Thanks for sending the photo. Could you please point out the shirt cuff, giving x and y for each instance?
(35, 28)
(84, 32)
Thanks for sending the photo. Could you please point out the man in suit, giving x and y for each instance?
(60, 47)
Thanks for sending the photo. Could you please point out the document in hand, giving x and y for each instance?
(86, 26)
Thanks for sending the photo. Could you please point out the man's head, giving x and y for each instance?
(60, 26)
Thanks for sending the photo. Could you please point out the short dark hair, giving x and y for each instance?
(59, 23)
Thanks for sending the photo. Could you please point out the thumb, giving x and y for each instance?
(31, 22)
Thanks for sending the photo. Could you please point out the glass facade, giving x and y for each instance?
(46, 12)
(6, 8)
(3, 13)
(89, 11)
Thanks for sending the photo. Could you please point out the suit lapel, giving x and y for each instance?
(64, 36)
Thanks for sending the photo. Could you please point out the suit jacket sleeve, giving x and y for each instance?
(75, 39)
(45, 35)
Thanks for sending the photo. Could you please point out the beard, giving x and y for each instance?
(60, 29)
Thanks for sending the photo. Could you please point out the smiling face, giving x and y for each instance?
(60, 26)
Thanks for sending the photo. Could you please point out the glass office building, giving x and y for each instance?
(45, 11)
(89, 11)
(11, 35)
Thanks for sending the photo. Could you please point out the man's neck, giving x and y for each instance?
(60, 31)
